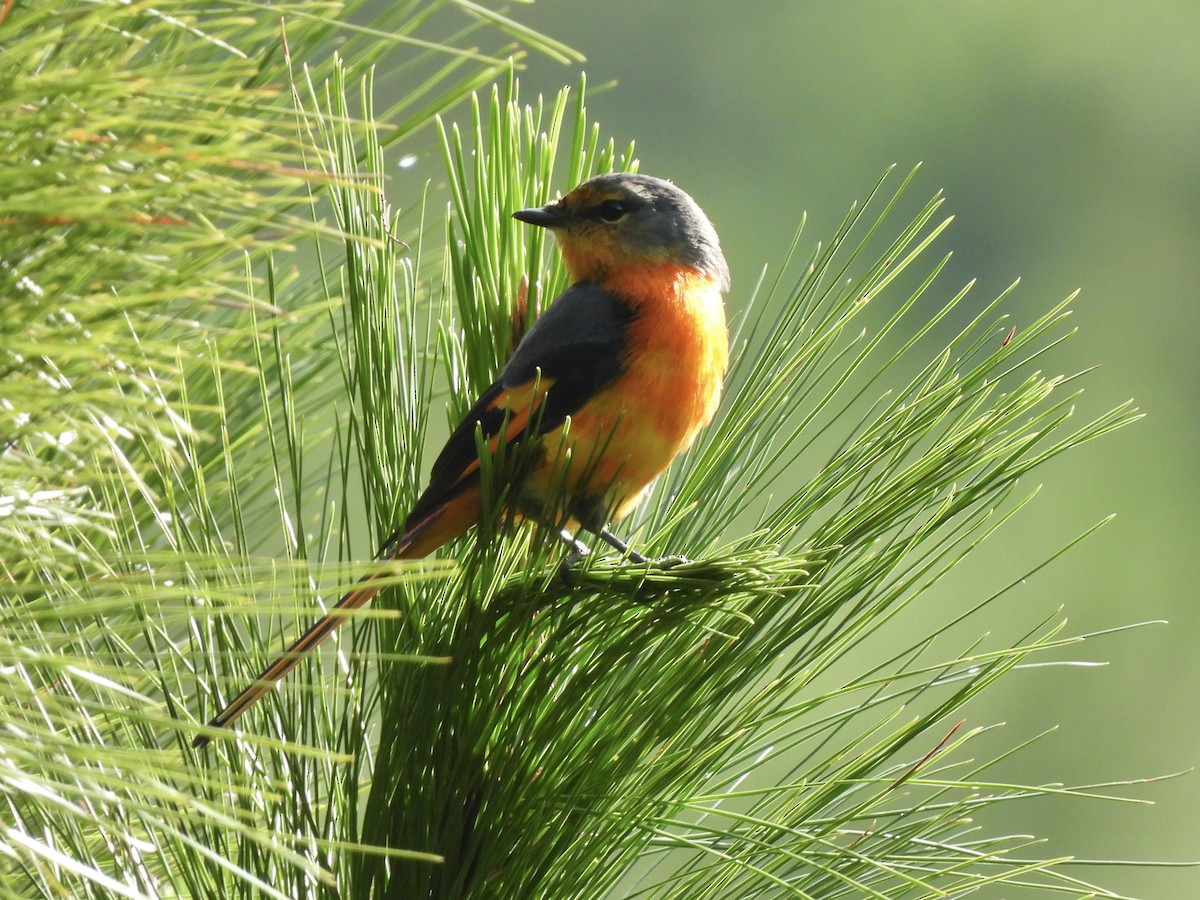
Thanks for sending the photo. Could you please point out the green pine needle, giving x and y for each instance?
(236, 336)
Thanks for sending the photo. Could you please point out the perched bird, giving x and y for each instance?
(612, 381)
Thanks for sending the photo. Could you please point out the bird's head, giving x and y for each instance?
(620, 221)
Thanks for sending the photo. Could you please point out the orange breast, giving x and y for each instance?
(674, 366)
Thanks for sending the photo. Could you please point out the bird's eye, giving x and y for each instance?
(611, 210)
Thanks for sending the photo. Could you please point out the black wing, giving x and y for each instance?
(577, 346)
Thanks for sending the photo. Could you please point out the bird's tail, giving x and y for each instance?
(418, 540)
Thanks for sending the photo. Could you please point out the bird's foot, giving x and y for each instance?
(578, 550)
(566, 568)
(665, 562)
(658, 562)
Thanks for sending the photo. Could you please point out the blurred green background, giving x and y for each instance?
(1067, 138)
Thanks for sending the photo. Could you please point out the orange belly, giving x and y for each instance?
(629, 432)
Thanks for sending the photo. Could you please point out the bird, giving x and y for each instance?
(613, 381)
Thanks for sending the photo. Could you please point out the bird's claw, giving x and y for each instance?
(566, 568)
(667, 562)
(566, 571)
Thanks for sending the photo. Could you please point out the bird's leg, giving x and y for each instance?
(578, 551)
(661, 562)
(620, 546)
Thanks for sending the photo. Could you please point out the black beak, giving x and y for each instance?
(552, 215)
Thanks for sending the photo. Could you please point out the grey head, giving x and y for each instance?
(621, 219)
